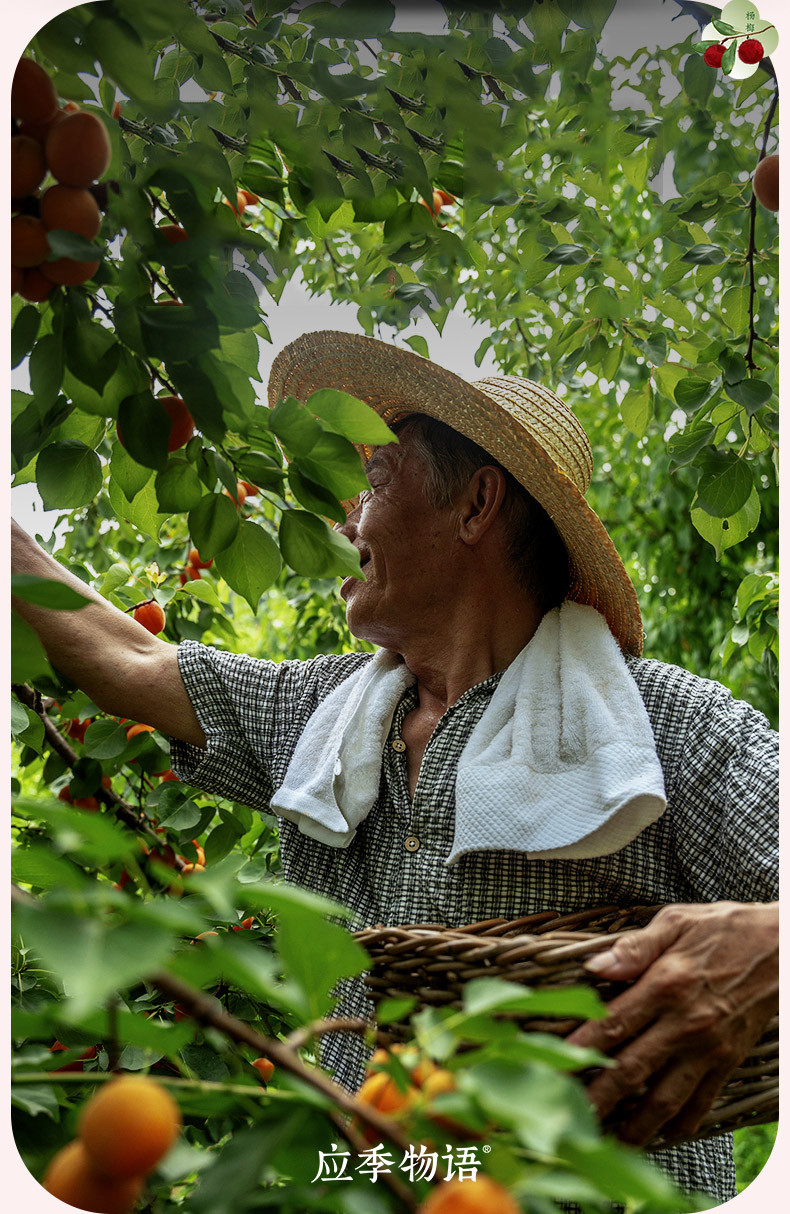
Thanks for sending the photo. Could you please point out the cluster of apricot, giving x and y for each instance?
(72, 147)
(124, 1131)
(426, 1081)
(440, 199)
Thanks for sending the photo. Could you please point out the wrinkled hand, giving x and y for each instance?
(708, 988)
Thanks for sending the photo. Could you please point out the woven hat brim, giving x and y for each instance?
(397, 382)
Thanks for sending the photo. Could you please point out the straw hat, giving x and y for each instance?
(526, 427)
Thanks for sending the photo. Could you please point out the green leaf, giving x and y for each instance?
(734, 367)
(125, 472)
(177, 334)
(46, 593)
(28, 659)
(250, 563)
(295, 426)
(544, 1107)
(178, 488)
(46, 369)
(143, 512)
(122, 56)
(69, 244)
(24, 333)
(497, 994)
(353, 19)
(653, 347)
(315, 954)
(635, 408)
(637, 166)
(213, 524)
(144, 429)
(725, 485)
(41, 868)
(705, 255)
(698, 79)
(420, 346)
(313, 549)
(728, 59)
(334, 463)
(568, 254)
(35, 1098)
(92, 352)
(314, 497)
(693, 392)
(685, 446)
(175, 808)
(91, 958)
(105, 740)
(350, 417)
(751, 394)
(68, 474)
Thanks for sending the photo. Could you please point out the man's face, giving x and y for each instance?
(405, 547)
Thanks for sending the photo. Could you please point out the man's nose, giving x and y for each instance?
(349, 527)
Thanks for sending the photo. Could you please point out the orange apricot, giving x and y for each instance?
(78, 149)
(182, 427)
(264, 1067)
(70, 209)
(195, 561)
(129, 1125)
(33, 96)
(27, 166)
(765, 182)
(189, 574)
(29, 245)
(152, 617)
(66, 272)
(134, 730)
(173, 233)
(480, 1196)
(71, 1178)
(36, 287)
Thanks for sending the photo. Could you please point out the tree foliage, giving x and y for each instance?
(602, 230)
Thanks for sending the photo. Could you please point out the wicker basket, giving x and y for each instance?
(432, 963)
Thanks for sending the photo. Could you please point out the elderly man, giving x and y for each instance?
(506, 750)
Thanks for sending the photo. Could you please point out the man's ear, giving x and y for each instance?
(480, 503)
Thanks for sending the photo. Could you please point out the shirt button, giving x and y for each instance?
(411, 843)
(399, 745)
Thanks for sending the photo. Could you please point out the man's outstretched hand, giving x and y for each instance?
(707, 986)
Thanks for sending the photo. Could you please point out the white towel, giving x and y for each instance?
(561, 763)
(333, 778)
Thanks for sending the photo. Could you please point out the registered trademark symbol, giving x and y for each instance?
(486, 1149)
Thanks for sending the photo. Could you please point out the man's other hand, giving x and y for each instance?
(707, 983)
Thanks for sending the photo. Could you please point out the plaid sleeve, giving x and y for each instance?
(728, 787)
(252, 712)
(720, 758)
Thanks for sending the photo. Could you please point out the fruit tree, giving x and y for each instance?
(589, 204)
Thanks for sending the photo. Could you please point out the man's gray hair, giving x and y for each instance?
(535, 550)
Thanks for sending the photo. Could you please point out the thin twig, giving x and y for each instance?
(317, 1028)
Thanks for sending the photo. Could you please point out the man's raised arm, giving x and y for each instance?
(123, 668)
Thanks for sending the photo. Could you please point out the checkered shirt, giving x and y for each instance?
(716, 840)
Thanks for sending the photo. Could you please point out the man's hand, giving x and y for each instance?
(709, 986)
